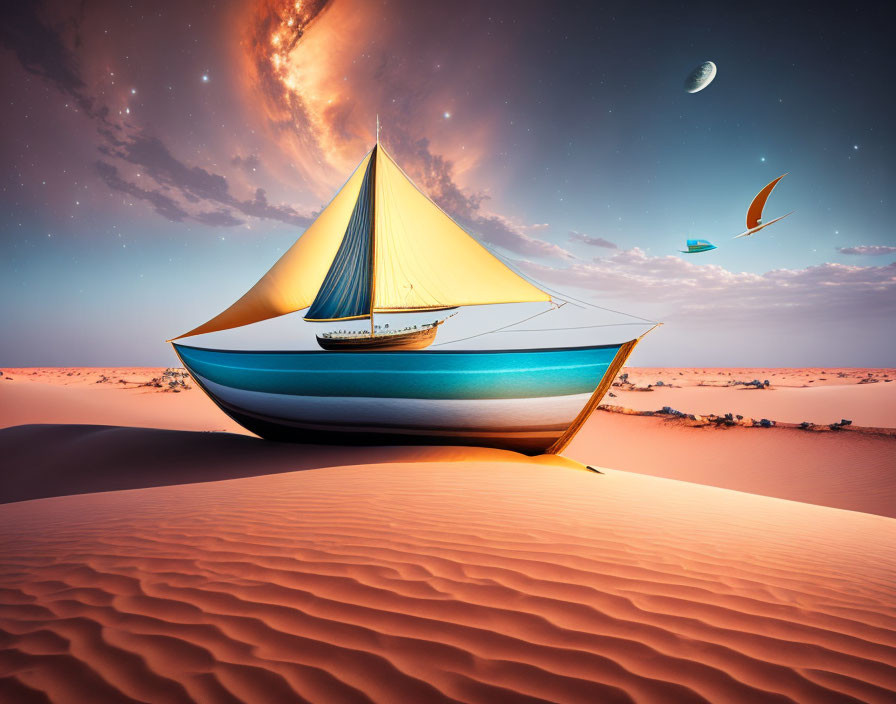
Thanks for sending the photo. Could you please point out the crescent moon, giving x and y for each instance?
(695, 82)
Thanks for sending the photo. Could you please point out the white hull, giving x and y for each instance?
(494, 414)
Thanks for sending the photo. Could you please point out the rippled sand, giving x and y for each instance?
(426, 582)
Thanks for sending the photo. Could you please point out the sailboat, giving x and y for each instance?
(383, 247)
(754, 212)
(697, 246)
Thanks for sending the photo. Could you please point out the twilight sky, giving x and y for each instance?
(160, 156)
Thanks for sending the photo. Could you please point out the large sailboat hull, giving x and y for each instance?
(530, 401)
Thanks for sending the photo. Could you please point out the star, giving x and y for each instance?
(446, 115)
(133, 91)
(762, 159)
(205, 78)
(855, 147)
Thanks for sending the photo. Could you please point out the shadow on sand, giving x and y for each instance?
(41, 461)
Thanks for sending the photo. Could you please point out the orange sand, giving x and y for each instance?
(434, 574)
(842, 470)
(839, 469)
(52, 396)
(72, 395)
(793, 396)
(795, 377)
(475, 582)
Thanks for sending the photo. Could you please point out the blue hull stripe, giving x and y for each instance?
(546, 413)
(408, 374)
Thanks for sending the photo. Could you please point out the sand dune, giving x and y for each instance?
(57, 460)
(868, 405)
(842, 469)
(55, 398)
(209, 570)
(427, 582)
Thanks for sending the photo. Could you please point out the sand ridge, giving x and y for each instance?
(850, 471)
(843, 470)
(476, 582)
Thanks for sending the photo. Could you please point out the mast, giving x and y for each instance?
(373, 224)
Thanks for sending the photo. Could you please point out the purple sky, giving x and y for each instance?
(160, 157)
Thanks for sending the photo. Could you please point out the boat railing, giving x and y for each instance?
(379, 331)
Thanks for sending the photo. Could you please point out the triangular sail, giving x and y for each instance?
(346, 291)
(425, 261)
(379, 241)
(293, 282)
(754, 213)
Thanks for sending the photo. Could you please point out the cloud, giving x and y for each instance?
(185, 191)
(161, 203)
(260, 208)
(686, 289)
(319, 135)
(194, 184)
(435, 174)
(872, 250)
(155, 160)
(218, 218)
(500, 231)
(319, 101)
(41, 51)
(593, 241)
(249, 164)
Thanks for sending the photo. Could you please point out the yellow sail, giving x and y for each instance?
(420, 259)
(424, 260)
(292, 283)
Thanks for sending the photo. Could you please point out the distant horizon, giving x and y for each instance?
(627, 366)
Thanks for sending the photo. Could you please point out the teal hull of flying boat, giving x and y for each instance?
(696, 246)
(531, 401)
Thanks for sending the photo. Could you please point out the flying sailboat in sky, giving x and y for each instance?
(754, 212)
(697, 246)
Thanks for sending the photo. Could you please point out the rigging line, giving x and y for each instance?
(561, 295)
(509, 325)
(609, 310)
(579, 327)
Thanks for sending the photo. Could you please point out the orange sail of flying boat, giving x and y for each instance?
(754, 212)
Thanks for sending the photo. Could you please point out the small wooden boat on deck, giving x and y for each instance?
(409, 339)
